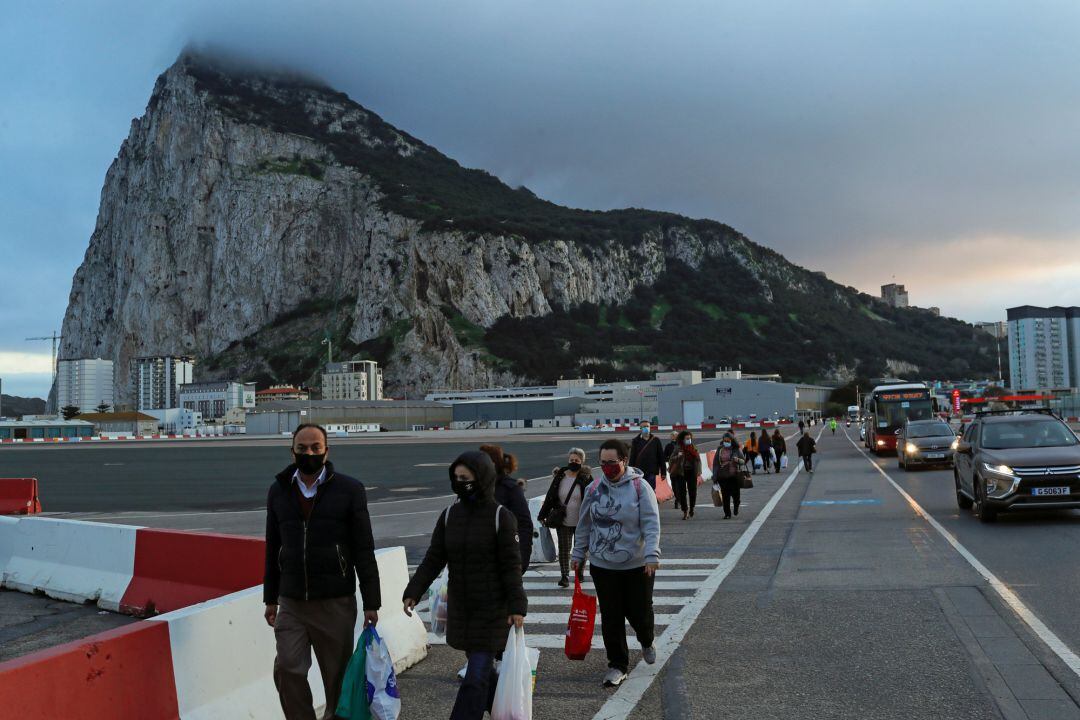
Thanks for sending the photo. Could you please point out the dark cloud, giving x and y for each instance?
(865, 139)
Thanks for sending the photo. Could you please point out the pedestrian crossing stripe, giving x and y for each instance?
(547, 629)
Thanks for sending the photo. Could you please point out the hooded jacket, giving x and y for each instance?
(315, 559)
(485, 565)
(619, 526)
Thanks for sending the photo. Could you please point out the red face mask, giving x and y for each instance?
(612, 472)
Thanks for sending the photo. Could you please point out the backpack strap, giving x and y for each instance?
(637, 486)
(498, 512)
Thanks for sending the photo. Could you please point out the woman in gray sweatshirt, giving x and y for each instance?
(619, 529)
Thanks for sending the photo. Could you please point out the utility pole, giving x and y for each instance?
(54, 337)
(406, 410)
(329, 349)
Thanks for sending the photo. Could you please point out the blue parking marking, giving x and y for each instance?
(862, 501)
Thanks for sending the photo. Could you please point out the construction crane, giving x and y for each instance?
(55, 337)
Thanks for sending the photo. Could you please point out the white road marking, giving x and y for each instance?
(1056, 644)
(629, 694)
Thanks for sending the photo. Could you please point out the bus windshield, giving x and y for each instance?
(893, 413)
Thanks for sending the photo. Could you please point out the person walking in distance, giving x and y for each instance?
(728, 463)
(318, 543)
(669, 450)
(832, 425)
(684, 468)
(647, 455)
(750, 450)
(619, 531)
(476, 538)
(509, 494)
(765, 450)
(779, 446)
(562, 506)
(807, 447)
(802, 426)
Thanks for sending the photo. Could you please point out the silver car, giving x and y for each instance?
(925, 442)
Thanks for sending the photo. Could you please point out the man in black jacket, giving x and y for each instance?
(318, 540)
(647, 455)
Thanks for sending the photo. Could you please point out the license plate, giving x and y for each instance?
(1050, 491)
(935, 456)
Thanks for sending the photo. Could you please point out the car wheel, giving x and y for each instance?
(983, 511)
(962, 500)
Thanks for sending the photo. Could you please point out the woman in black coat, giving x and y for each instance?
(476, 539)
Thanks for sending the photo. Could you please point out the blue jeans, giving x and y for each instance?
(477, 690)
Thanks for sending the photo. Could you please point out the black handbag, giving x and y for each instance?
(746, 481)
(557, 514)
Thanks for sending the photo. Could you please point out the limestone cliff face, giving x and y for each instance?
(214, 223)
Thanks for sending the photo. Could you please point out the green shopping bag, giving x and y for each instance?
(353, 702)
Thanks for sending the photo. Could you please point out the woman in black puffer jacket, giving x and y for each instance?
(477, 540)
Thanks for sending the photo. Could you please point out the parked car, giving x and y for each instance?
(925, 442)
(1017, 460)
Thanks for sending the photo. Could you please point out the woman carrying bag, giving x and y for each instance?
(563, 504)
(476, 538)
(750, 450)
(727, 471)
(683, 469)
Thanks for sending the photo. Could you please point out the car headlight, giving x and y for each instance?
(911, 448)
(998, 469)
(881, 443)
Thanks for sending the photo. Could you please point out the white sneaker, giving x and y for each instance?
(614, 677)
(462, 671)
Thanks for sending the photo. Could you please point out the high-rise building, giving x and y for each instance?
(84, 383)
(894, 295)
(352, 380)
(157, 380)
(214, 399)
(1044, 347)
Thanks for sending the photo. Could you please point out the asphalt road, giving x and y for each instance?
(222, 475)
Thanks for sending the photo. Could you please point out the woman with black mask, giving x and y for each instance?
(475, 539)
(562, 505)
(683, 469)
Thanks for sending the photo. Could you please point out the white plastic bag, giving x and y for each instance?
(758, 462)
(513, 694)
(384, 700)
(437, 605)
(783, 461)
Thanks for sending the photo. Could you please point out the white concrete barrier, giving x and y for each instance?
(223, 659)
(71, 560)
(406, 637)
(8, 529)
(223, 651)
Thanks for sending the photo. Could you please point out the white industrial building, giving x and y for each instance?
(84, 383)
(1044, 347)
(720, 400)
(352, 380)
(174, 421)
(214, 400)
(157, 380)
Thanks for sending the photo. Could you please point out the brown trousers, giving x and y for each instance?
(302, 625)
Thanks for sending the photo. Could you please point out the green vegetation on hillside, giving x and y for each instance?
(747, 331)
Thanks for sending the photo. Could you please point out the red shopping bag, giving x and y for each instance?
(579, 629)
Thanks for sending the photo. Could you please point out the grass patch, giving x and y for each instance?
(297, 165)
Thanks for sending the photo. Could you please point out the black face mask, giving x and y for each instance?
(573, 467)
(309, 464)
(464, 490)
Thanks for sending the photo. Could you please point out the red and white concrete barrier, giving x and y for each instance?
(210, 659)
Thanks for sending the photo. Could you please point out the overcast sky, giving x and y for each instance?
(932, 142)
